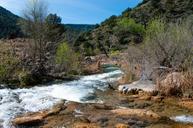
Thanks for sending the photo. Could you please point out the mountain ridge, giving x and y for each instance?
(10, 29)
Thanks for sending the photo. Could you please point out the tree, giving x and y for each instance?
(53, 19)
(54, 28)
(44, 30)
(34, 27)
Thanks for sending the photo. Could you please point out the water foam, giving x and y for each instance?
(19, 101)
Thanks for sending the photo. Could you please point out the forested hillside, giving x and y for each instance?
(9, 27)
(8, 24)
(117, 32)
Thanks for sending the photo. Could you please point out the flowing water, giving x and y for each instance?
(14, 102)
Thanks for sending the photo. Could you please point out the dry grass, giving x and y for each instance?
(176, 84)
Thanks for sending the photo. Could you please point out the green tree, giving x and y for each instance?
(54, 28)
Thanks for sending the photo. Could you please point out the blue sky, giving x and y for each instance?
(77, 11)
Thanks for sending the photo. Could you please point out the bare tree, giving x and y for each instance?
(34, 27)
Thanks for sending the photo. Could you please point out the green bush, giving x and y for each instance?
(131, 26)
(67, 59)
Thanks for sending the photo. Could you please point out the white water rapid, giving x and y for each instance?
(19, 101)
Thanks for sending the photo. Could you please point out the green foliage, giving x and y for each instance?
(53, 19)
(67, 59)
(53, 28)
(131, 25)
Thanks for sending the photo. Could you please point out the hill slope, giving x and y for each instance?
(10, 29)
(8, 24)
(117, 32)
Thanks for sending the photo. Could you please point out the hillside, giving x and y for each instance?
(8, 24)
(168, 9)
(10, 29)
(80, 27)
(117, 32)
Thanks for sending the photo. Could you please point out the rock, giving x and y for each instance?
(56, 109)
(34, 119)
(187, 104)
(83, 119)
(145, 98)
(103, 106)
(28, 120)
(121, 126)
(137, 112)
(98, 119)
(157, 98)
(140, 85)
(85, 125)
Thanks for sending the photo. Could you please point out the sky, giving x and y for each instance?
(77, 11)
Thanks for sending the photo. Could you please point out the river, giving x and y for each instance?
(14, 102)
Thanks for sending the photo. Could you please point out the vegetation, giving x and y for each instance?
(169, 45)
(113, 34)
(131, 26)
(167, 49)
(67, 59)
(8, 63)
(8, 24)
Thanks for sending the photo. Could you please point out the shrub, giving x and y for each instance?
(176, 84)
(131, 26)
(25, 78)
(67, 59)
(8, 63)
(169, 45)
(166, 56)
